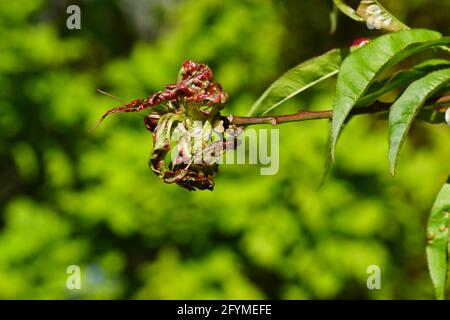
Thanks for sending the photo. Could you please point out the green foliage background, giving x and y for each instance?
(68, 196)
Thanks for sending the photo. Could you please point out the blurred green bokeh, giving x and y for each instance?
(71, 197)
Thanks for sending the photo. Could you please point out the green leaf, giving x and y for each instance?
(402, 78)
(298, 79)
(431, 116)
(405, 109)
(328, 161)
(437, 235)
(347, 10)
(359, 70)
(333, 15)
(378, 17)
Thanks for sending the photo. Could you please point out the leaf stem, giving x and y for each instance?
(303, 115)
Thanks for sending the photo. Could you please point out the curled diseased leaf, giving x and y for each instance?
(188, 132)
(437, 237)
(377, 17)
(298, 79)
(194, 88)
(186, 152)
(359, 43)
(359, 70)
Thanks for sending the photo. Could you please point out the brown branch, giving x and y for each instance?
(304, 115)
(437, 104)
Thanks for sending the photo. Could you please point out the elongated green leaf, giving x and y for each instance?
(328, 161)
(378, 17)
(405, 109)
(347, 10)
(402, 78)
(359, 69)
(437, 235)
(333, 14)
(298, 79)
(431, 115)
